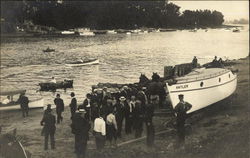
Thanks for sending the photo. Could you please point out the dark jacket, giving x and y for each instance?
(120, 110)
(49, 121)
(149, 112)
(73, 104)
(23, 100)
(80, 126)
(181, 110)
(59, 104)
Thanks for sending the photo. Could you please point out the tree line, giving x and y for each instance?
(106, 14)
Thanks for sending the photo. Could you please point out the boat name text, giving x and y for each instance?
(182, 86)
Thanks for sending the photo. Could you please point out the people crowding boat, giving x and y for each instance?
(110, 113)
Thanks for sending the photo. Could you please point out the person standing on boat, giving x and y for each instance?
(24, 103)
(215, 62)
(59, 108)
(73, 104)
(49, 121)
(80, 128)
(181, 111)
(194, 62)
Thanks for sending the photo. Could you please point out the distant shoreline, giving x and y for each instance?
(58, 34)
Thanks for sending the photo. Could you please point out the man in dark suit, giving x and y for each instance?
(181, 111)
(24, 103)
(59, 108)
(73, 104)
(49, 129)
(80, 128)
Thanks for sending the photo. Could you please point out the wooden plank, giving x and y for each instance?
(144, 137)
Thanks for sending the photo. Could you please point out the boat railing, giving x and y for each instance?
(204, 77)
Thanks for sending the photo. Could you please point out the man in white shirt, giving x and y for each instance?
(99, 132)
(6, 100)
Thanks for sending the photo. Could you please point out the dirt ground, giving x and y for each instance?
(218, 131)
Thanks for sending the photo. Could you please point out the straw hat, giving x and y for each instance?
(81, 111)
(122, 98)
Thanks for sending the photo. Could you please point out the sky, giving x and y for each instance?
(230, 9)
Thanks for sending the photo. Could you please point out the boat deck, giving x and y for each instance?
(201, 73)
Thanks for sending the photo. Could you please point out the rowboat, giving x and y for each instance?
(48, 50)
(111, 32)
(50, 86)
(67, 32)
(203, 87)
(14, 105)
(236, 30)
(10, 147)
(84, 63)
(87, 33)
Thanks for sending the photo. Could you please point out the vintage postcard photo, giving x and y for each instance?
(124, 79)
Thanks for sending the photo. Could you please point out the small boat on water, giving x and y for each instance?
(84, 63)
(15, 105)
(50, 86)
(87, 33)
(236, 30)
(49, 50)
(67, 32)
(111, 32)
(203, 87)
(11, 147)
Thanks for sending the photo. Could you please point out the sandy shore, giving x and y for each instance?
(221, 130)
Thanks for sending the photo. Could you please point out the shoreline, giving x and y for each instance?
(220, 130)
(119, 31)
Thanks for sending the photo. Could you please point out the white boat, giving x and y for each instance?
(84, 63)
(67, 32)
(87, 33)
(111, 32)
(14, 105)
(203, 87)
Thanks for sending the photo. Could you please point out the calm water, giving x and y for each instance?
(122, 57)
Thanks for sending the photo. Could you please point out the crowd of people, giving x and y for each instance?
(109, 113)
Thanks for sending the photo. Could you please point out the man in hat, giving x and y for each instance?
(120, 113)
(59, 108)
(49, 128)
(181, 111)
(80, 128)
(73, 104)
(24, 103)
(194, 62)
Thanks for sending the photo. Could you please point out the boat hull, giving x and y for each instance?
(84, 64)
(204, 92)
(47, 86)
(38, 103)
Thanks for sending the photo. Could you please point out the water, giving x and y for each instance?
(122, 57)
